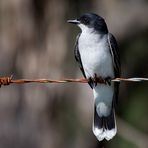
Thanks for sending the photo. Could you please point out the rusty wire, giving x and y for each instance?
(9, 80)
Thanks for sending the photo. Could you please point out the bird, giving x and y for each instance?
(96, 51)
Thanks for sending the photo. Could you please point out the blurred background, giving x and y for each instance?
(37, 42)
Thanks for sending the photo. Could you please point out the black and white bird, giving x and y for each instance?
(96, 51)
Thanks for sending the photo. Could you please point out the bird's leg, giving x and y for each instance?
(98, 79)
(95, 79)
(108, 80)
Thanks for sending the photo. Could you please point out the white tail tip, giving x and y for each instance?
(104, 133)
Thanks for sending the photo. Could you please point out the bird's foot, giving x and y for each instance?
(98, 79)
(108, 80)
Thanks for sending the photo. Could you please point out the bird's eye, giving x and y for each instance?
(85, 20)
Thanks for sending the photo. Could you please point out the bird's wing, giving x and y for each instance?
(116, 62)
(78, 59)
(77, 55)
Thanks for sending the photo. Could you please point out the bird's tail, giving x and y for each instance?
(104, 127)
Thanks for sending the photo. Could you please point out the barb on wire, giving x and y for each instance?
(10, 80)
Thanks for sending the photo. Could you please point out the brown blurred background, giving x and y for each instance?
(37, 42)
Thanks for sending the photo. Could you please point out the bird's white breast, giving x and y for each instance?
(95, 55)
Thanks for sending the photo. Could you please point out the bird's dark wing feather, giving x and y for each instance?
(77, 55)
(116, 62)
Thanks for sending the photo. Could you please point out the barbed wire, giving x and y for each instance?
(9, 80)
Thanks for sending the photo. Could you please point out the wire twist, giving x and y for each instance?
(5, 80)
(8, 80)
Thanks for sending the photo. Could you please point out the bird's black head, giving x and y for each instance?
(91, 20)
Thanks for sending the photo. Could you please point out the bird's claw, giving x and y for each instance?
(108, 80)
(93, 81)
(98, 79)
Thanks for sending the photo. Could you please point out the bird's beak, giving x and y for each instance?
(74, 21)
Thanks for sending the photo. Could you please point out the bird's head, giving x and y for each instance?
(90, 21)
